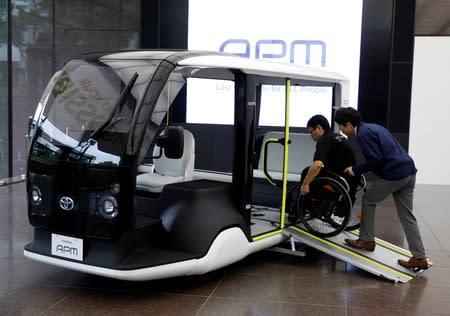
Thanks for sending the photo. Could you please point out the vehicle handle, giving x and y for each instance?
(266, 145)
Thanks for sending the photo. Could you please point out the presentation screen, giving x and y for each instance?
(321, 33)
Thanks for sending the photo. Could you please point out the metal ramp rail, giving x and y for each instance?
(381, 262)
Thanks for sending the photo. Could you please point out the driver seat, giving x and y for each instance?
(167, 170)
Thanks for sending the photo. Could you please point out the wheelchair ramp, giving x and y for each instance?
(381, 262)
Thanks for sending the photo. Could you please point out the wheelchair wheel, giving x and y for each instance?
(325, 211)
(356, 213)
(293, 213)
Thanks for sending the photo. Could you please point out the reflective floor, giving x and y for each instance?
(265, 283)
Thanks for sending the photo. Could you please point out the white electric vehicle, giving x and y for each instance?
(113, 187)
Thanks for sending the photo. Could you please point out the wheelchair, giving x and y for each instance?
(331, 206)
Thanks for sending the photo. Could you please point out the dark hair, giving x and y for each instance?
(349, 114)
(318, 120)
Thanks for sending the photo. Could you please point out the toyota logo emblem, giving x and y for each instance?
(66, 203)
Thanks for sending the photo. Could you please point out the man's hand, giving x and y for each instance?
(304, 189)
(313, 171)
(349, 170)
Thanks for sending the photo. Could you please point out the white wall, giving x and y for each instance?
(429, 140)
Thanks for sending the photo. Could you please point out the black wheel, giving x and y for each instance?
(325, 211)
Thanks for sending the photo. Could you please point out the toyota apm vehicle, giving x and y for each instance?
(114, 185)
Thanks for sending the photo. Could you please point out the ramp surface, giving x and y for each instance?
(381, 262)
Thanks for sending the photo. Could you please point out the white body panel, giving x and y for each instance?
(229, 246)
(249, 66)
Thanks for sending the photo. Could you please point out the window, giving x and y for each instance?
(305, 101)
(210, 101)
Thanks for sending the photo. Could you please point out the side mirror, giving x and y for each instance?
(172, 142)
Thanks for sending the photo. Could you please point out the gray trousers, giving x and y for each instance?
(402, 191)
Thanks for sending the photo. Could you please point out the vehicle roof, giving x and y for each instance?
(225, 60)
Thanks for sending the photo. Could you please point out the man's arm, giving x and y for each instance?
(313, 171)
(369, 142)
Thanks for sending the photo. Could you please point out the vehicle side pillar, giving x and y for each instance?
(244, 127)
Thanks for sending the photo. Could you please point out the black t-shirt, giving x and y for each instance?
(332, 149)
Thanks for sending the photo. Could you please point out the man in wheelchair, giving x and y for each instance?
(325, 195)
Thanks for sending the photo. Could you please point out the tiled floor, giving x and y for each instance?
(265, 283)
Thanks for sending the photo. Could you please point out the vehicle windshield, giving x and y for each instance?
(86, 112)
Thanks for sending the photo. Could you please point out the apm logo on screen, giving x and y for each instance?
(244, 48)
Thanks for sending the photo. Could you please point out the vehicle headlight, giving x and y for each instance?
(109, 208)
(35, 195)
